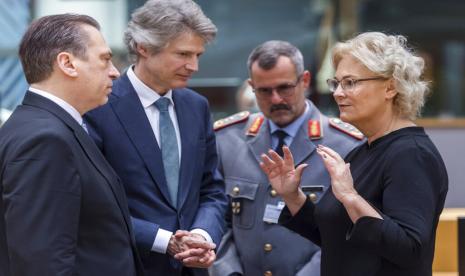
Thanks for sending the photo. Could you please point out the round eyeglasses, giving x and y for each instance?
(283, 90)
(347, 84)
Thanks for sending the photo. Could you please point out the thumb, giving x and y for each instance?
(299, 170)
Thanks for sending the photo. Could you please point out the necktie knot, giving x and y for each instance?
(281, 134)
(162, 104)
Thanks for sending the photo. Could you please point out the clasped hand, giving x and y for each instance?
(192, 249)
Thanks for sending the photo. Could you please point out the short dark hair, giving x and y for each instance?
(268, 53)
(47, 37)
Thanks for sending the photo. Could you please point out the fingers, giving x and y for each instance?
(204, 261)
(330, 152)
(288, 158)
(195, 243)
(181, 233)
(193, 252)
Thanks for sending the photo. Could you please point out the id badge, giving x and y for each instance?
(272, 212)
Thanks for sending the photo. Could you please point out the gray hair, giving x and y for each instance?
(267, 55)
(389, 56)
(47, 37)
(158, 22)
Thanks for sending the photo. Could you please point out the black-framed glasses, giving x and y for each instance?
(283, 90)
(348, 84)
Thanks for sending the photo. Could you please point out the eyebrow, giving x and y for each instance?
(107, 54)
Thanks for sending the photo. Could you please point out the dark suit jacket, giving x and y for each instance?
(63, 210)
(123, 133)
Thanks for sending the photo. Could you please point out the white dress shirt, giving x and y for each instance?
(63, 104)
(147, 97)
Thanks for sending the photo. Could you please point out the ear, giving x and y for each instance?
(142, 50)
(249, 81)
(391, 90)
(66, 63)
(306, 78)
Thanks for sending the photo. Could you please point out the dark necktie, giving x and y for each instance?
(281, 134)
(169, 148)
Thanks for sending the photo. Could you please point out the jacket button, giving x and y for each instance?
(268, 273)
(268, 247)
(235, 190)
(273, 192)
(313, 197)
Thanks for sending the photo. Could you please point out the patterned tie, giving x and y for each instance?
(281, 134)
(169, 148)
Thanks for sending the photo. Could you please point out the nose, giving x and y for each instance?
(275, 97)
(114, 73)
(193, 64)
(339, 92)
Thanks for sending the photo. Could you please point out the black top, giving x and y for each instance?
(403, 176)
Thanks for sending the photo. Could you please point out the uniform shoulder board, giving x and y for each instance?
(231, 120)
(346, 128)
(254, 128)
(314, 130)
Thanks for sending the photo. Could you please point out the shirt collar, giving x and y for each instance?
(60, 102)
(293, 127)
(146, 94)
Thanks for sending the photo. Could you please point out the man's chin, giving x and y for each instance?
(281, 121)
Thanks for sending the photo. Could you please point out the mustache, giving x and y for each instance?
(277, 107)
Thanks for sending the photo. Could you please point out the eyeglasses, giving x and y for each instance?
(283, 90)
(347, 84)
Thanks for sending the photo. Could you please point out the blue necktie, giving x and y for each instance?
(169, 148)
(281, 134)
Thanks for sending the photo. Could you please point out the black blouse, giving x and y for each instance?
(403, 176)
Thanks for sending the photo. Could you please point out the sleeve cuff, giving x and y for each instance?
(162, 240)
(203, 233)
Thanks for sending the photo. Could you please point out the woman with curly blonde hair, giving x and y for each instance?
(379, 216)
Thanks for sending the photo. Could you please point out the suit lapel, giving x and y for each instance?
(132, 116)
(188, 146)
(89, 147)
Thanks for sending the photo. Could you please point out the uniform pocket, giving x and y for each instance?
(242, 193)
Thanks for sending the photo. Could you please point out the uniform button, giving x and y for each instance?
(273, 192)
(268, 273)
(313, 197)
(236, 190)
(268, 247)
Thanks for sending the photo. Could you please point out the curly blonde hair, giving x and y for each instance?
(390, 57)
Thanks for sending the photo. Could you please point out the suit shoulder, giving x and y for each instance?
(346, 128)
(231, 120)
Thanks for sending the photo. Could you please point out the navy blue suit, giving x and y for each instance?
(63, 210)
(123, 133)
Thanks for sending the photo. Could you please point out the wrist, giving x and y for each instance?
(349, 199)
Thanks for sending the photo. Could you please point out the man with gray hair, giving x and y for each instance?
(158, 137)
(255, 244)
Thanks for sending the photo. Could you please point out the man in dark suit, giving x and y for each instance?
(158, 137)
(63, 210)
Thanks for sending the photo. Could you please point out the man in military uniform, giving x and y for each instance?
(255, 244)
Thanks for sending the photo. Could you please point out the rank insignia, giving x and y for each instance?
(231, 120)
(255, 126)
(346, 128)
(314, 130)
(236, 207)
